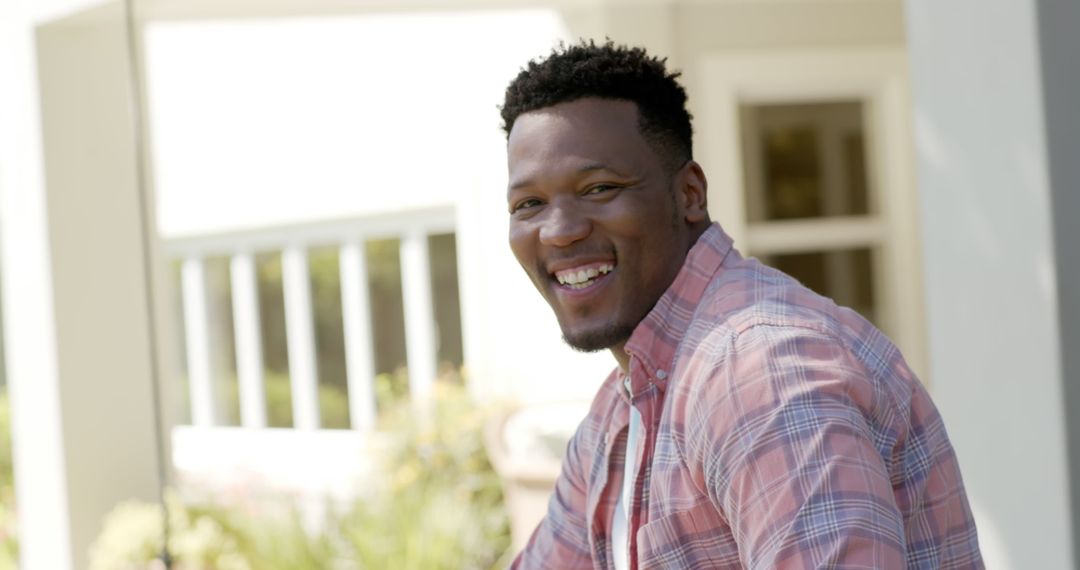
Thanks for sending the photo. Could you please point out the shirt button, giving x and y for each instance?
(661, 374)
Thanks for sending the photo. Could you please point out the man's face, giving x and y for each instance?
(595, 219)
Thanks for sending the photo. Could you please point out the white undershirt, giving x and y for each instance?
(620, 541)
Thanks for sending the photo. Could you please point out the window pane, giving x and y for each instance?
(275, 344)
(387, 318)
(444, 290)
(804, 160)
(325, 274)
(845, 276)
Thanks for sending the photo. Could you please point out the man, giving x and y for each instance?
(750, 423)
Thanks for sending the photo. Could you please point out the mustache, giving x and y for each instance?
(571, 253)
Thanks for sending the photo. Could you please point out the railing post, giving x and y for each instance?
(300, 334)
(420, 337)
(249, 357)
(356, 320)
(200, 372)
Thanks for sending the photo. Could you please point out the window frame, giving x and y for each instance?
(878, 78)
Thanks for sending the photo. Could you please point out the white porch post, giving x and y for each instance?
(29, 326)
(249, 356)
(420, 340)
(997, 128)
(75, 302)
(300, 335)
(196, 330)
(356, 320)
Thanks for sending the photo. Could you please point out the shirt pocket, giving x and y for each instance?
(690, 539)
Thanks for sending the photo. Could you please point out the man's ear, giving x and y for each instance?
(693, 193)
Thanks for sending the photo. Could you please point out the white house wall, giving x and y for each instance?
(995, 309)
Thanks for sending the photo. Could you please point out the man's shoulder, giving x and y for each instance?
(757, 322)
(748, 294)
(752, 307)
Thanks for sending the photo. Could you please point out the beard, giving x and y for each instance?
(600, 338)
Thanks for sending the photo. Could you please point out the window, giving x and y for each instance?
(807, 161)
(810, 171)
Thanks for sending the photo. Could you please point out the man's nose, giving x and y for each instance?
(564, 225)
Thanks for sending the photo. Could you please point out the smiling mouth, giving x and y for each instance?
(578, 278)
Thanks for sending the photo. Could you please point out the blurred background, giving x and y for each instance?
(258, 302)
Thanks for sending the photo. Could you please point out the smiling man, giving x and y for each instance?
(750, 423)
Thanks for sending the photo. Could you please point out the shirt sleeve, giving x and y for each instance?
(561, 540)
(788, 456)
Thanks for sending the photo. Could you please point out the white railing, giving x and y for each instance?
(412, 229)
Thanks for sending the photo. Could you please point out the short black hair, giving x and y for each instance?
(608, 71)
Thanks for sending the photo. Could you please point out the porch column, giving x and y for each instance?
(76, 310)
(997, 131)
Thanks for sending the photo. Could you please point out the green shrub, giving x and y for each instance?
(437, 504)
(333, 401)
(441, 503)
(9, 538)
(131, 539)
(205, 538)
(6, 465)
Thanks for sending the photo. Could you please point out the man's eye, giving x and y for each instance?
(530, 203)
(599, 188)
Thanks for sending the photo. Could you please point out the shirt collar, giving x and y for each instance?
(655, 339)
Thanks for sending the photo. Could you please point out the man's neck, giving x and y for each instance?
(619, 352)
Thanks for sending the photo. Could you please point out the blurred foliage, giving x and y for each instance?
(132, 533)
(6, 465)
(324, 270)
(446, 295)
(435, 503)
(391, 390)
(205, 538)
(333, 401)
(440, 504)
(9, 540)
(272, 312)
(386, 304)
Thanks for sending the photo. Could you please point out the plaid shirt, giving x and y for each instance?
(781, 431)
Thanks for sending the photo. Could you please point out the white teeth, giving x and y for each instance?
(580, 279)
